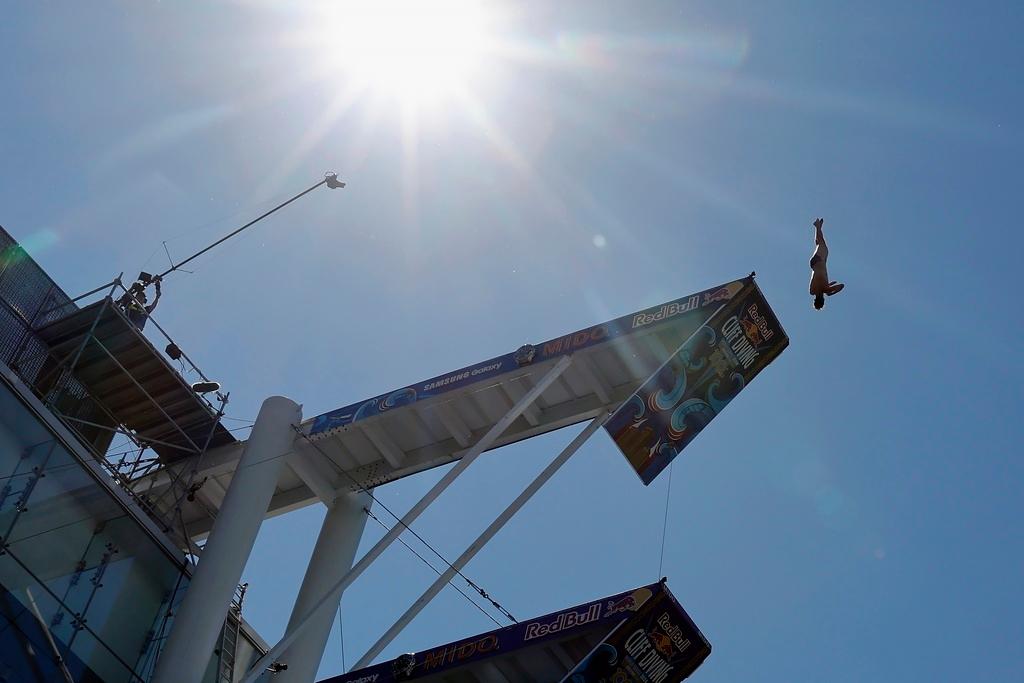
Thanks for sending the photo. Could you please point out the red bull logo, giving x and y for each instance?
(751, 331)
(673, 633)
(563, 621)
(759, 322)
(665, 312)
(720, 294)
(628, 603)
(662, 643)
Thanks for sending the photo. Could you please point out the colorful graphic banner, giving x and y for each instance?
(706, 300)
(606, 612)
(659, 643)
(709, 370)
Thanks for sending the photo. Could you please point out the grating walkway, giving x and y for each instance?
(133, 380)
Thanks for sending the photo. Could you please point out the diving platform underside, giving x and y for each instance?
(436, 422)
(126, 374)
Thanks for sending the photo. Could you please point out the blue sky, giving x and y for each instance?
(854, 515)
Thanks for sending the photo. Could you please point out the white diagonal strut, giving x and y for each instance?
(313, 476)
(454, 424)
(515, 392)
(472, 454)
(481, 541)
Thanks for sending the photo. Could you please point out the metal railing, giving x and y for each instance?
(30, 300)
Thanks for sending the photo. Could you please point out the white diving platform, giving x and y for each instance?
(439, 420)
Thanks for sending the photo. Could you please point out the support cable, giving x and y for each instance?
(330, 180)
(279, 197)
(436, 571)
(484, 594)
(664, 524)
(341, 636)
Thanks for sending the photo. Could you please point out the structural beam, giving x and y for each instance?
(332, 556)
(593, 378)
(213, 463)
(200, 618)
(206, 497)
(515, 392)
(492, 674)
(339, 587)
(383, 443)
(454, 424)
(482, 540)
(559, 656)
(216, 490)
(307, 469)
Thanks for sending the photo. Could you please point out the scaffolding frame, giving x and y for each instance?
(26, 307)
(29, 300)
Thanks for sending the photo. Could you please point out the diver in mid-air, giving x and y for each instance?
(821, 286)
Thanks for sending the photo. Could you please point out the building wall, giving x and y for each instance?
(80, 578)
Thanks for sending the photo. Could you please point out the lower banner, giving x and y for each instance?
(659, 643)
(709, 370)
(543, 649)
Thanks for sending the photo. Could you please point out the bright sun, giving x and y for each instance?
(416, 51)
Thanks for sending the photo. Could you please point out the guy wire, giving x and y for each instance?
(469, 581)
(424, 560)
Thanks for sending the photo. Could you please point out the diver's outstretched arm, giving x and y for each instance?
(819, 237)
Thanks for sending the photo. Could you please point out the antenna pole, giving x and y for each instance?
(331, 180)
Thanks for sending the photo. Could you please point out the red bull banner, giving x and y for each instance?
(702, 377)
(598, 616)
(658, 643)
(693, 309)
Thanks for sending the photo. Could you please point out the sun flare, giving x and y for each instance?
(414, 51)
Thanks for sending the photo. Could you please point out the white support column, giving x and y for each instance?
(482, 540)
(199, 620)
(332, 557)
(429, 497)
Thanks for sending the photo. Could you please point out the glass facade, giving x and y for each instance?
(84, 589)
(88, 581)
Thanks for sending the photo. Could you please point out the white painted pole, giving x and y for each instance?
(481, 541)
(488, 439)
(333, 555)
(201, 616)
